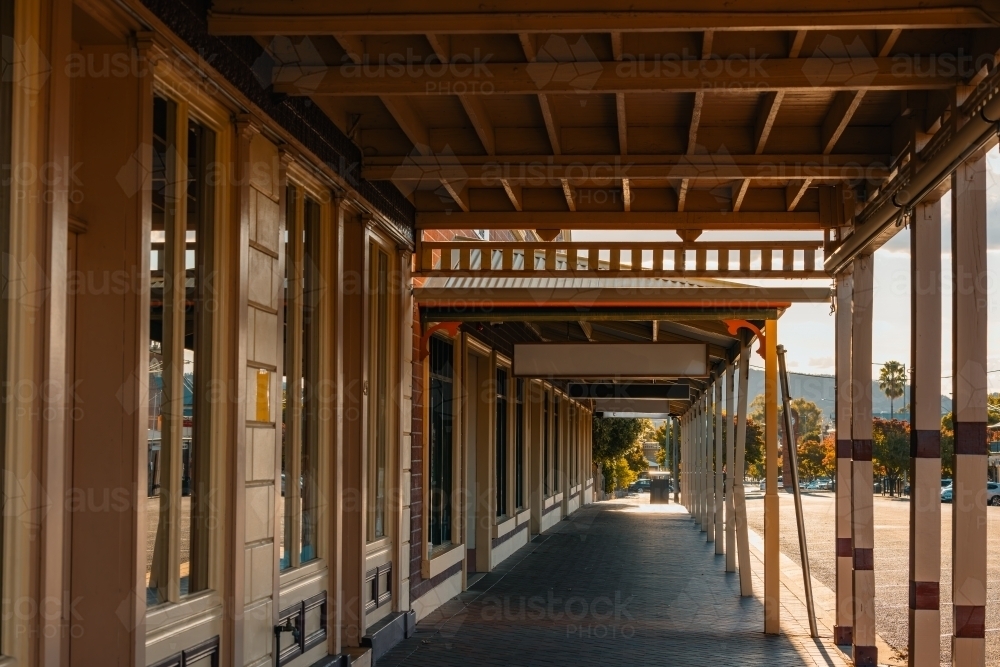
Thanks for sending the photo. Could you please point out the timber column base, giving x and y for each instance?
(772, 566)
(865, 656)
(843, 635)
(925, 637)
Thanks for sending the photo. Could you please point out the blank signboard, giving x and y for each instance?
(608, 360)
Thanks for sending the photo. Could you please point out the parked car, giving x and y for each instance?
(640, 486)
(945, 482)
(763, 483)
(992, 494)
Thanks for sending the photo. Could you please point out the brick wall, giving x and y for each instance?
(417, 585)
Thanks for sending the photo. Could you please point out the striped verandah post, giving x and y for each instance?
(718, 509)
(969, 318)
(844, 622)
(924, 646)
(731, 479)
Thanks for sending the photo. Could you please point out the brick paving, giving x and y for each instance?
(619, 582)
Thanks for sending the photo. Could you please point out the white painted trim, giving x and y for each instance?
(524, 516)
(440, 562)
(504, 527)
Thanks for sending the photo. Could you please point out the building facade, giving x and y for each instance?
(234, 440)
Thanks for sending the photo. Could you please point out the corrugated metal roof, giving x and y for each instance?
(569, 282)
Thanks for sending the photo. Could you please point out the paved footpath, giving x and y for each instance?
(620, 582)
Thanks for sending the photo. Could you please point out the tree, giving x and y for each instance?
(993, 408)
(662, 455)
(806, 415)
(947, 446)
(617, 446)
(754, 454)
(817, 457)
(892, 382)
(890, 448)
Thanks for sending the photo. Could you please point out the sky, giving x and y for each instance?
(807, 330)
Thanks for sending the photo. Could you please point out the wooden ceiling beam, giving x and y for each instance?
(682, 192)
(569, 192)
(622, 123)
(739, 193)
(313, 17)
(608, 174)
(514, 194)
(615, 220)
(846, 102)
(794, 192)
(707, 40)
(461, 197)
(475, 109)
(766, 113)
(441, 45)
(699, 101)
(494, 78)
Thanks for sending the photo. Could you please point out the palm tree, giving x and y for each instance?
(892, 381)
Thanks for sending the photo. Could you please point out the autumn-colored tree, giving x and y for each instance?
(947, 446)
(815, 458)
(890, 448)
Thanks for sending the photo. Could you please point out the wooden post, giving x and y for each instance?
(707, 525)
(772, 544)
(862, 512)
(709, 468)
(969, 312)
(675, 437)
(742, 533)
(731, 479)
(925, 436)
(720, 516)
(842, 633)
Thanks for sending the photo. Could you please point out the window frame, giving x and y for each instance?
(192, 106)
(502, 427)
(376, 243)
(294, 303)
(456, 460)
(521, 386)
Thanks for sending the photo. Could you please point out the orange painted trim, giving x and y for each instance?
(425, 339)
(486, 303)
(736, 325)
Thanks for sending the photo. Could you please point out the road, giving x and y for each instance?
(891, 561)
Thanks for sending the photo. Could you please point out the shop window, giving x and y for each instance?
(300, 384)
(519, 443)
(546, 468)
(441, 439)
(180, 331)
(501, 440)
(378, 393)
(555, 444)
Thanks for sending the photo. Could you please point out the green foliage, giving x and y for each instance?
(617, 445)
(947, 446)
(660, 435)
(892, 382)
(614, 436)
(993, 408)
(806, 416)
(890, 447)
(754, 454)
